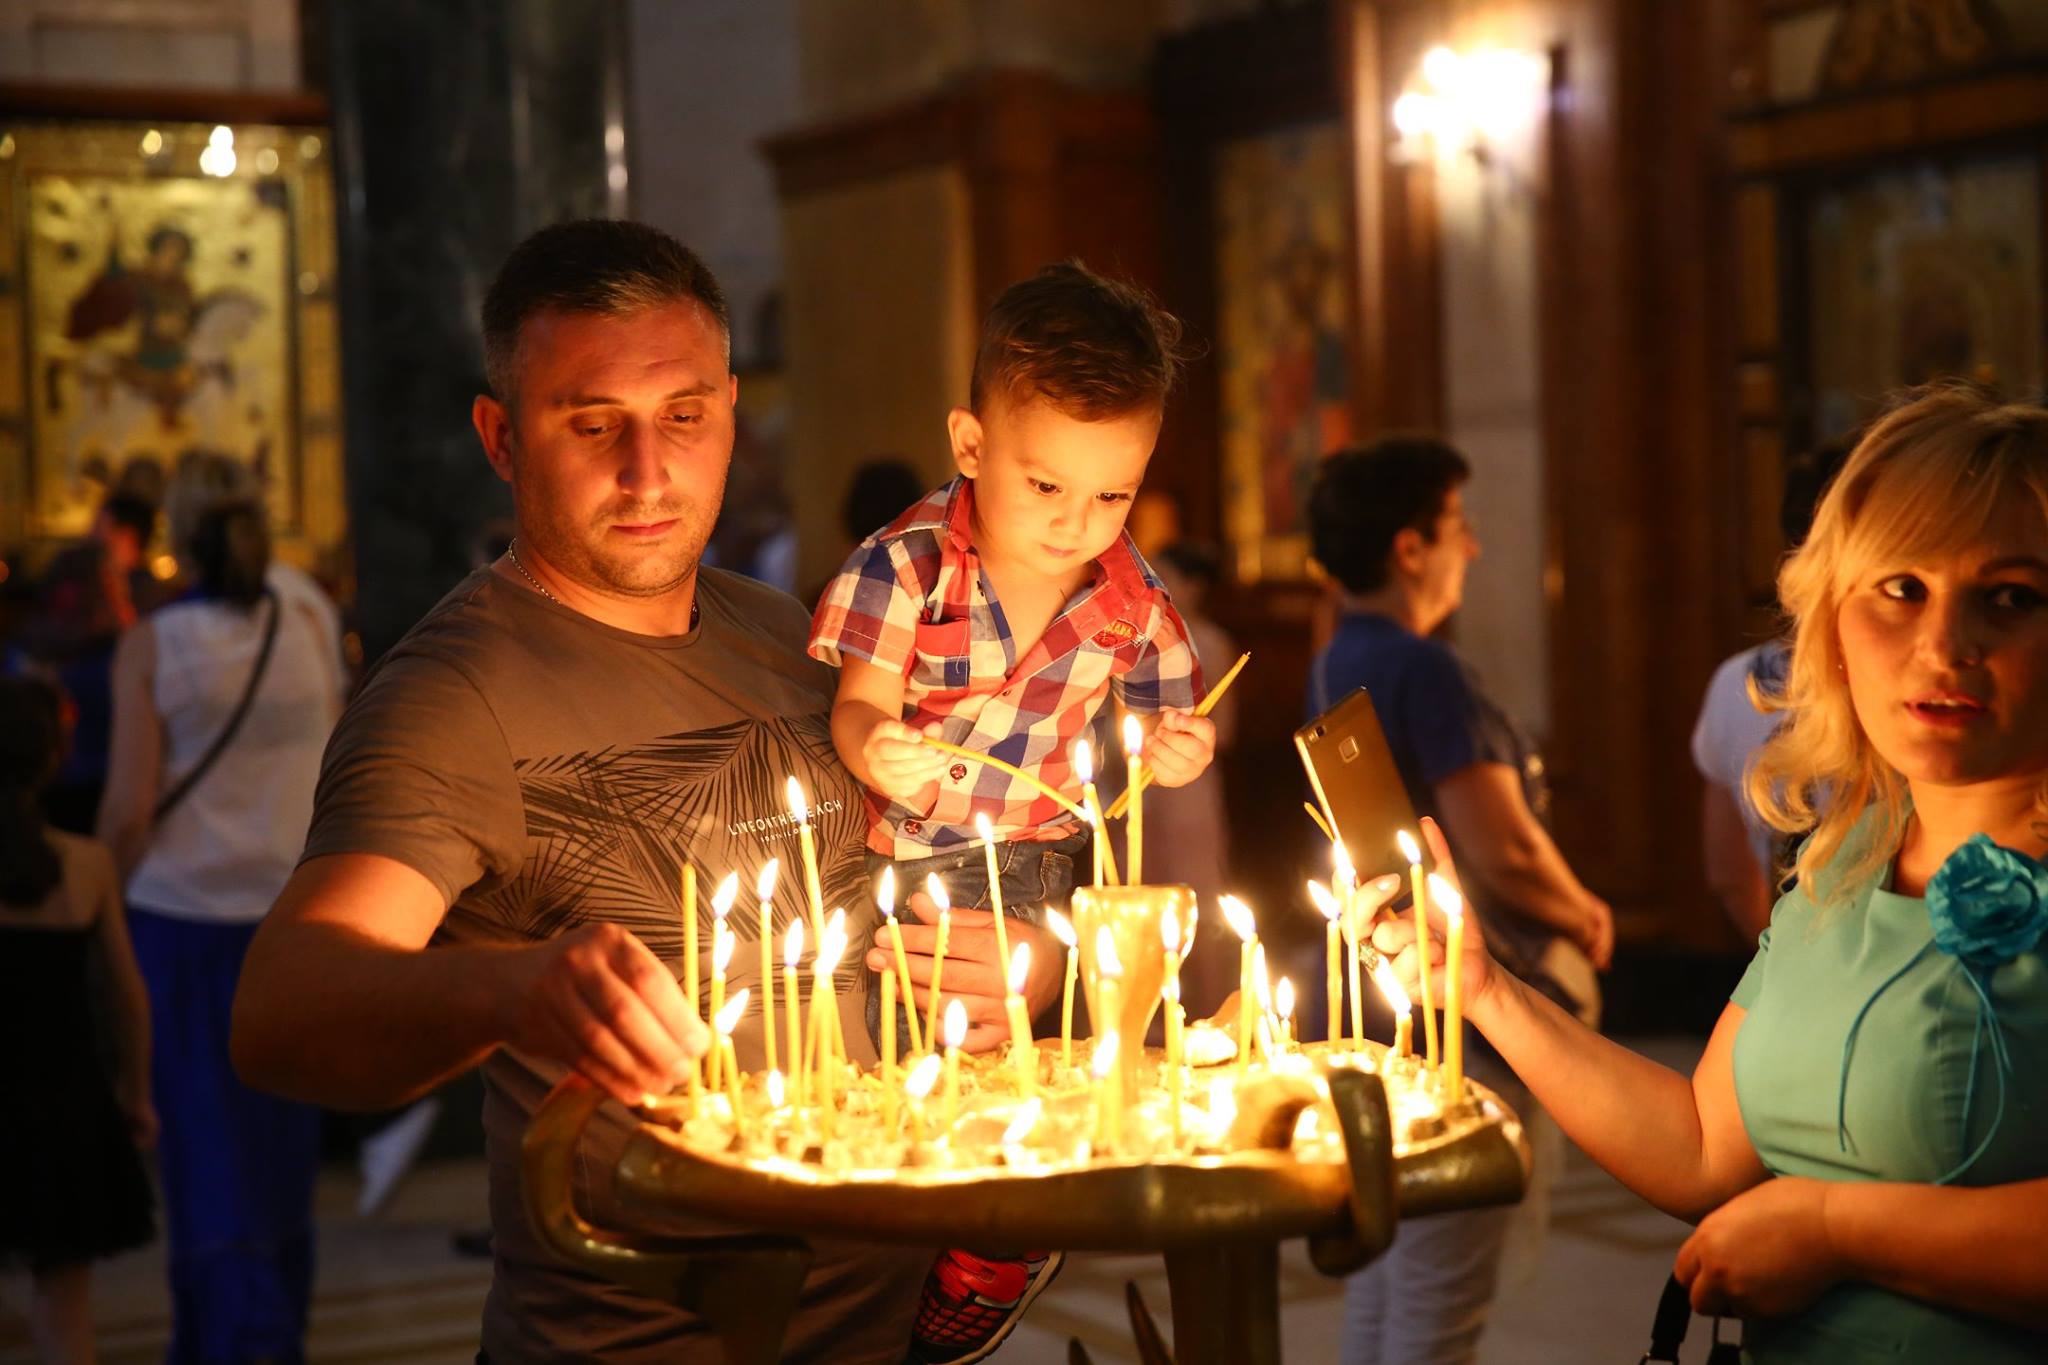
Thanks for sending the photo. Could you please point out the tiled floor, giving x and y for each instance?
(393, 1290)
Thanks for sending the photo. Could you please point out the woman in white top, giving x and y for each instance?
(222, 705)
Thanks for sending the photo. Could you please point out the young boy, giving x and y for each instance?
(998, 614)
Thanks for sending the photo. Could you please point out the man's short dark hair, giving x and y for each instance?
(1364, 496)
(131, 513)
(1092, 347)
(605, 266)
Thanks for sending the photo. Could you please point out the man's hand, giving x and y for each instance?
(1594, 932)
(900, 765)
(1765, 1253)
(1181, 745)
(596, 999)
(972, 975)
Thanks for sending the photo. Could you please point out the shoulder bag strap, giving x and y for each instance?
(171, 798)
(1674, 1315)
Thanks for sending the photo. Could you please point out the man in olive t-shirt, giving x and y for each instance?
(523, 776)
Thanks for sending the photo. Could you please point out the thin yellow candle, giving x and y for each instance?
(918, 1086)
(885, 896)
(1332, 912)
(1202, 708)
(1262, 983)
(726, 1020)
(987, 831)
(1063, 930)
(764, 891)
(1454, 1020)
(1023, 1056)
(936, 889)
(824, 1010)
(1109, 1107)
(1238, 916)
(792, 997)
(1169, 936)
(1175, 1015)
(1419, 890)
(1109, 973)
(1283, 1005)
(722, 946)
(800, 811)
(1344, 886)
(889, 1051)
(1104, 860)
(1134, 818)
(1397, 1001)
(956, 1033)
(835, 929)
(778, 1091)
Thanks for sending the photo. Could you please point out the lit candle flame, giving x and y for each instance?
(1105, 1054)
(1445, 897)
(1187, 938)
(984, 828)
(793, 944)
(936, 889)
(729, 1017)
(798, 809)
(1342, 872)
(1020, 968)
(832, 946)
(956, 1023)
(723, 942)
(1390, 987)
(764, 885)
(1026, 1119)
(1062, 927)
(728, 891)
(1238, 916)
(1134, 736)
(1411, 852)
(923, 1076)
(776, 1090)
(1325, 903)
(1084, 761)
(1169, 928)
(1106, 961)
(885, 892)
(1283, 998)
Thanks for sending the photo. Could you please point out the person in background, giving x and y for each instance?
(1860, 1145)
(222, 703)
(880, 488)
(1735, 843)
(1388, 523)
(76, 1191)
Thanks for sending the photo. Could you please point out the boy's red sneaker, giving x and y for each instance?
(971, 1303)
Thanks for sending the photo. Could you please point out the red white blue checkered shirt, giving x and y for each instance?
(913, 598)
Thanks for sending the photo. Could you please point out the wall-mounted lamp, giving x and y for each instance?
(1479, 103)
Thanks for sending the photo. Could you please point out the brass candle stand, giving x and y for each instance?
(1307, 1147)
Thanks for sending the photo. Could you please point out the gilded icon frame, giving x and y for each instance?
(167, 287)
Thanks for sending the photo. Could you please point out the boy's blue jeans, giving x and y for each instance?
(1033, 875)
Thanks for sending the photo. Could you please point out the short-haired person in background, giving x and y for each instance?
(1739, 850)
(1388, 523)
(522, 777)
(1861, 1142)
(222, 702)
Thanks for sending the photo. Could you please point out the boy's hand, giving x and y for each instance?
(1180, 747)
(901, 766)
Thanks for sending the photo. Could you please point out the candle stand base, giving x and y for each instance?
(1218, 1216)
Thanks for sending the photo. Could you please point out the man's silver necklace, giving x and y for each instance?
(512, 551)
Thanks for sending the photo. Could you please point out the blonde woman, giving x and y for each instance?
(1862, 1143)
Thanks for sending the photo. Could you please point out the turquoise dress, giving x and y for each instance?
(1919, 1094)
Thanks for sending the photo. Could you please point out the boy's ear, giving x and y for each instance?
(963, 428)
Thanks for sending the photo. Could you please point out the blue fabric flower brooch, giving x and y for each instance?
(1988, 905)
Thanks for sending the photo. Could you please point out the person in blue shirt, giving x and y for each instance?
(1861, 1143)
(1388, 523)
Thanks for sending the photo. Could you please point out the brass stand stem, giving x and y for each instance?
(1226, 1303)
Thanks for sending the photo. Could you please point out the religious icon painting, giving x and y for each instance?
(168, 293)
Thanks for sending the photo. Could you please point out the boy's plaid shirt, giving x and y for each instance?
(913, 598)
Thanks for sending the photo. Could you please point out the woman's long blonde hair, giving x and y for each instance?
(1925, 482)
